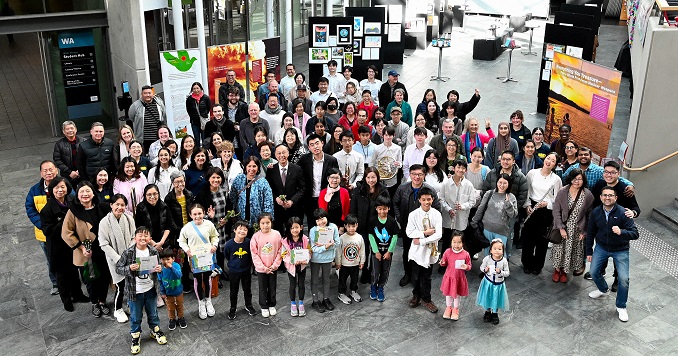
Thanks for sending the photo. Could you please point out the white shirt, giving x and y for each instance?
(274, 122)
(355, 163)
(337, 83)
(144, 283)
(317, 175)
(432, 180)
(286, 84)
(394, 151)
(450, 194)
(421, 254)
(540, 187)
(317, 96)
(164, 183)
(413, 155)
(410, 136)
(373, 87)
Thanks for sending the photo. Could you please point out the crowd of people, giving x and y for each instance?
(325, 179)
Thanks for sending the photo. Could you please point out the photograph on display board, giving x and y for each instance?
(357, 47)
(358, 26)
(372, 42)
(318, 55)
(372, 28)
(337, 52)
(344, 34)
(374, 54)
(348, 58)
(321, 35)
(333, 41)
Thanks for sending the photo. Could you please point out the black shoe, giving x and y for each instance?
(81, 299)
(404, 281)
(587, 275)
(495, 318)
(69, 307)
(182, 323)
(615, 286)
(96, 310)
(328, 304)
(250, 310)
(172, 324)
(526, 270)
(536, 272)
(318, 306)
(441, 270)
(487, 317)
(105, 310)
(231, 314)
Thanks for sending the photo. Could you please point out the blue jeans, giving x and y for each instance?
(143, 301)
(52, 277)
(197, 134)
(621, 260)
(491, 236)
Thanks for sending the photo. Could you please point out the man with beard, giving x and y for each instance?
(225, 88)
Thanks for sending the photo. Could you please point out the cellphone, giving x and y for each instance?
(125, 87)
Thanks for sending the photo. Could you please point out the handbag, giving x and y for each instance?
(554, 234)
(203, 120)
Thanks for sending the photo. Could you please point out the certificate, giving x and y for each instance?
(458, 264)
(204, 260)
(300, 255)
(325, 235)
(147, 264)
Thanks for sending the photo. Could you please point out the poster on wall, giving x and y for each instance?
(372, 41)
(584, 95)
(179, 70)
(358, 26)
(395, 14)
(78, 67)
(337, 52)
(348, 59)
(344, 36)
(393, 32)
(372, 28)
(321, 35)
(357, 47)
(319, 55)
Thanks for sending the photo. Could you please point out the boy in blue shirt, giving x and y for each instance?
(171, 289)
(237, 252)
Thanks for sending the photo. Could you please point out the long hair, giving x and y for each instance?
(183, 153)
(288, 226)
(84, 183)
(170, 162)
(365, 188)
(121, 176)
(206, 165)
(436, 169)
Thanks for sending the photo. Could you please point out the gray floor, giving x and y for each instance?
(545, 318)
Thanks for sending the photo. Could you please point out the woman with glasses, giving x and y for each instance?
(570, 158)
(540, 147)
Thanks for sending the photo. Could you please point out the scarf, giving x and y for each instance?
(275, 111)
(116, 229)
(330, 192)
(196, 96)
(467, 144)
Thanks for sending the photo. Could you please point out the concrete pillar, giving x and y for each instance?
(178, 25)
(200, 22)
(289, 40)
(270, 16)
(328, 8)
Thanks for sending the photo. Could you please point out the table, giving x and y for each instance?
(531, 27)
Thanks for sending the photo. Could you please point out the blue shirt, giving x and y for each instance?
(593, 173)
(170, 280)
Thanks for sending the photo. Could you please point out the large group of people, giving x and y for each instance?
(354, 166)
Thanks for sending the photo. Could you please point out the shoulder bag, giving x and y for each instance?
(554, 235)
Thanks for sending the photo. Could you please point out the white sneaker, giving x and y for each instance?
(272, 311)
(598, 294)
(356, 297)
(120, 316)
(623, 315)
(159, 302)
(202, 310)
(265, 313)
(209, 307)
(344, 298)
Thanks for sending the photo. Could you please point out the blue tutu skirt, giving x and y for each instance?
(492, 296)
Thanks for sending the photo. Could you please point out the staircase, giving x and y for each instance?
(667, 215)
(659, 238)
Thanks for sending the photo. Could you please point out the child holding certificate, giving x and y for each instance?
(140, 286)
(237, 252)
(324, 237)
(266, 246)
(199, 239)
(454, 283)
(296, 252)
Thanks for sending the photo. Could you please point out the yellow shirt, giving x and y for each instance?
(184, 214)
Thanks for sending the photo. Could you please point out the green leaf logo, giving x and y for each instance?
(183, 62)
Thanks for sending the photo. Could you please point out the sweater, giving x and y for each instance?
(350, 251)
(266, 250)
(115, 236)
(287, 256)
(170, 280)
(493, 276)
(561, 208)
(600, 230)
(189, 239)
(422, 254)
(239, 256)
(495, 212)
(132, 189)
(320, 253)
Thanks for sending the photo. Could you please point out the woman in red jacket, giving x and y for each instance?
(335, 200)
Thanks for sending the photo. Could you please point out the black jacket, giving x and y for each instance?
(385, 96)
(306, 164)
(363, 207)
(294, 189)
(92, 156)
(223, 92)
(519, 186)
(240, 112)
(196, 110)
(63, 156)
(264, 99)
(462, 108)
(404, 203)
(143, 218)
(52, 219)
(600, 230)
(226, 129)
(175, 209)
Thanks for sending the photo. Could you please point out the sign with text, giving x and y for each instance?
(180, 69)
(79, 74)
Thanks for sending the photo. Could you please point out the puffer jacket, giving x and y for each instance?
(63, 156)
(518, 180)
(92, 156)
(35, 201)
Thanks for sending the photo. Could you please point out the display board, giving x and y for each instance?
(179, 69)
(585, 10)
(393, 31)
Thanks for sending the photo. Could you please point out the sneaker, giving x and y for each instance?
(487, 317)
(120, 316)
(294, 311)
(96, 310)
(598, 294)
(404, 281)
(105, 309)
(587, 275)
(209, 308)
(380, 294)
(302, 309)
(414, 302)
(318, 306)
(344, 298)
(476, 256)
(455, 314)
(136, 347)
(373, 292)
(272, 311)
(448, 313)
(356, 297)
(158, 335)
(231, 314)
(202, 311)
(623, 315)
(68, 306)
(54, 290)
(615, 286)
(495, 318)
(430, 306)
(328, 304)
(250, 310)
(265, 313)
(172, 324)
(182, 323)
(159, 302)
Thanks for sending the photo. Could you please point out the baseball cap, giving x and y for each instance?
(393, 72)
(301, 87)
(396, 108)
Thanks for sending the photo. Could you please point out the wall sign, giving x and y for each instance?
(78, 68)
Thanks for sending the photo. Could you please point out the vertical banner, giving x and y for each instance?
(78, 65)
(264, 56)
(584, 95)
(180, 69)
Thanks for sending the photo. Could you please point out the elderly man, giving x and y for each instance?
(147, 114)
(65, 154)
(274, 90)
(247, 127)
(263, 89)
(95, 153)
(302, 95)
(225, 88)
(387, 90)
(439, 141)
(287, 83)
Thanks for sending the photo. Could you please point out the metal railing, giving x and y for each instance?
(645, 167)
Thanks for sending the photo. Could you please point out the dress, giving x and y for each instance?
(454, 282)
(492, 291)
(569, 255)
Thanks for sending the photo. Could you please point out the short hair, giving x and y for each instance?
(612, 164)
(321, 104)
(573, 174)
(242, 223)
(86, 183)
(55, 182)
(312, 137)
(45, 162)
(382, 201)
(290, 65)
(362, 109)
(456, 93)
(95, 124)
(233, 90)
(319, 213)
(367, 91)
(166, 253)
(268, 143)
(323, 80)
(117, 197)
(170, 142)
(420, 131)
(364, 129)
(331, 62)
(373, 67)
(226, 145)
(607, 187)
(347, 68)
(426, 191)
(300, 74)
(505, 177)
(509, 152)
(460, 162)
(351, 220)
(68, 122)
(217, 171)
(399, 90)
(333, 171)
(416, 167)
(346, 133)
(142, 229)
(260, 128)
(146, 87)
(390, 130)
(177, 174)
(565, 126)
(583, 149)
(265, 215)
(518, 114)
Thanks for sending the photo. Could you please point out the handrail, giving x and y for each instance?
(645, 167)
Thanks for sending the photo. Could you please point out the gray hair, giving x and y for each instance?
(177, 174)
(66, 123)
(399, 90)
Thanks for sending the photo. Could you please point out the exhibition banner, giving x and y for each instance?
(264, 57)
(179, 69)
(584, 95)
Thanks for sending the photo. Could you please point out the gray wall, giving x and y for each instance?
(128, 44)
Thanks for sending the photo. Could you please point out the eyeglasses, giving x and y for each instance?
(537, 134)
(569, 147)
(608, 195)
(417, 174)
(610, 173)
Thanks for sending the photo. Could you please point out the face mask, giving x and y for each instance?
(331, 107)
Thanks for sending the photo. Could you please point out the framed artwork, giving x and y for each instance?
(358, 26)
(332, 41)
(321, 33)
(344, 34)
(394, 32)
(374, 53)
(372, 28)
(337, 52)
(318, 55)
(372, 42)
(348, 58)
(357, 47)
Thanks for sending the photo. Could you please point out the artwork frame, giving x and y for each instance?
(344, 34)
(394, 32)
(348, 58)
(337, 52)
(372, 42)
(358, 25)
(319, 55)
(321, 33)
(372, 28)
(357, 47)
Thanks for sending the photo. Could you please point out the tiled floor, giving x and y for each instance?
(544, 319)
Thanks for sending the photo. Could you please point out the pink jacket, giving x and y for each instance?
(266, 250)
(125, 188)
(287, 258)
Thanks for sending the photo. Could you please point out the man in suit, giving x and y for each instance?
(315, 165)
(285, 179)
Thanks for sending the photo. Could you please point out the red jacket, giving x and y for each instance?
(344, 197)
